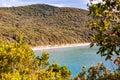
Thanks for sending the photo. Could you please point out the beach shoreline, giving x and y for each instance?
(59, 46)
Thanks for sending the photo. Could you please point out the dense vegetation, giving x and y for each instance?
(18, 62)
(43, 24)
(106, 22)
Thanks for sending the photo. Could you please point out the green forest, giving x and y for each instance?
(45, 25)
(20, 29)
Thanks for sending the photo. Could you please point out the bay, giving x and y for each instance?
(76, 57)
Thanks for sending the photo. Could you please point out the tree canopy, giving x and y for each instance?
(45, 25)
(106, 23)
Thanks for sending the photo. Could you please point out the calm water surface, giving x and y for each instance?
(76, 57)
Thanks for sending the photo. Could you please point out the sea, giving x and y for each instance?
(76, 57)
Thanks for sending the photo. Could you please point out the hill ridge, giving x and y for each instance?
(45, 24)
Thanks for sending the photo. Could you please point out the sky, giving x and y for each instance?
(60, 3)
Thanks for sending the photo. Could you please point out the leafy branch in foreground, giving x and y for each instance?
(106, 22)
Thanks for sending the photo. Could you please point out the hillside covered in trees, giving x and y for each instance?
(45, 25)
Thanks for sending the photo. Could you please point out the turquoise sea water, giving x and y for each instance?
(76, 57)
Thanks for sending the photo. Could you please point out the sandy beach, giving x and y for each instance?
(59, 46)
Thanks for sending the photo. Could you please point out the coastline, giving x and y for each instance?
(59, 46)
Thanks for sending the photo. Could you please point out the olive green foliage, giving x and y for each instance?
(45, 25)
(18, 62)
(99, 72)
(106, 22)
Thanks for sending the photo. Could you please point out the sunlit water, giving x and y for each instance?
(76, 57)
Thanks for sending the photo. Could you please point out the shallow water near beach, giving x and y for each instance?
(76, 57)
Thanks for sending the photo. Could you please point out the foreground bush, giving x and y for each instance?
(18, 62)
(99, 72)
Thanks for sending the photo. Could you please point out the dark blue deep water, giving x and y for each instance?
(76, 57)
